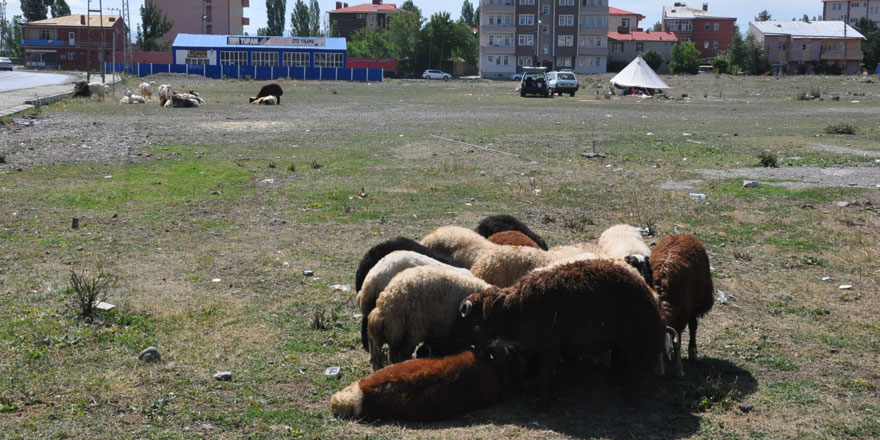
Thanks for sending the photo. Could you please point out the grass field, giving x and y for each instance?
(176, 204)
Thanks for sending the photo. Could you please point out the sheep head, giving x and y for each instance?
(470, 328)
(642, 264)
(671, 342)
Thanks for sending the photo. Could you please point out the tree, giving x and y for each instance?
(275, 17)
(764, 16)
(871, 45)
(755, 61)
(370, 43)
(60, 9)
(658, 27)
(736, 51)
(314, 19)
(437, 38)
(721, 65)
(805, 18)
(477, 18)
(11, 31)
(34, 10)
(467, 13)
(263, 31)
(404, 33)
(154, 24)
(653, 58)
(334, 29)
(299, 20)
(685, 59)
(408, 5)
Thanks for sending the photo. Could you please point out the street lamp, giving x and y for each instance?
(538, 41)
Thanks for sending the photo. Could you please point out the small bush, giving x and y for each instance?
(291, 168)
(721, 65)
(768, 160)
(841, 128)
(272, 165)
(2, 158)
(316, 165)
(86, 292)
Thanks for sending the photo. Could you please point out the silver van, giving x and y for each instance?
(562, 82)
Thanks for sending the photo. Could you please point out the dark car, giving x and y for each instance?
(534, 82)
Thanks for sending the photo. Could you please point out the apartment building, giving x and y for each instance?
(710, 33)
(558, 34)
(350, 19)
(851, 10)
(219, 17)
(805, 47)
(620, 20)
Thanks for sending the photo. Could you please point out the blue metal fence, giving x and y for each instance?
(252, 72)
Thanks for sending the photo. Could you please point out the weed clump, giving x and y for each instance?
(291, 168)
(768, 160)
(86, 292)
(841, 128)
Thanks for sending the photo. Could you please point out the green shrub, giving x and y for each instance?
(841, 128)
(768, 160)
(85, 292)
(721, 65)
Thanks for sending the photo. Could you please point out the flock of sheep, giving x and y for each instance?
(493, 306)
(270, 94)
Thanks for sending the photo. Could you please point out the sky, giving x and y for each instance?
(743, 10)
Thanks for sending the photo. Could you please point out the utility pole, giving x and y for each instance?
(127, 55)
(845, 48)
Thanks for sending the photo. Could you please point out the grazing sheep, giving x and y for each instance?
(500, 223)
(430, 389)
(513, 238)
(271, 89)
(419, 305)
(464, 245)
(581, 308)
(380, 250)
(505, 265)
(81, 89)
(146, 89)
(683, 281)
(97, 89)
(382, 273)
(625, 241)
(266, 100)
(165, 92)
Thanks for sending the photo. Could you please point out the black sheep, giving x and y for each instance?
(81, 89)
(271, 89)
(500, 223)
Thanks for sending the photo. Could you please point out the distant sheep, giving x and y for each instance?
(146, 89)
(513, 238)
(500, 223)
(184, 100)
(427, 390)
(382, 273)
(97, 90)
(464, 245)
(683, 281)
(626, 242)
(419, 305)
(165, 92)
(81, 89)
(271, 89)
(266, 100)
(581, 308)
(130, 98)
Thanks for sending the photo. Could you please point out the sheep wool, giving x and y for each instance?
(505, 265)
(626, 242)
(464, 245)
(513, 238)
(500, 223)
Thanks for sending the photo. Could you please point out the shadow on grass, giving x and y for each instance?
(586, 405)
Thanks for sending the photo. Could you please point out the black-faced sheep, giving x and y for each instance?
(581, 308)
(683, 281)
(429, 389)
(513, 238)
(184, 100)
(380, 250)
(419, 305)
(500, 223)
(81, 89)
(271, 89)
(626, 242)
(382, 273)
(146, 89)
(464, 245)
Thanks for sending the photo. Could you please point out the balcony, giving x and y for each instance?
(507, 28)
(44, 43)
(245, 21)
(245, 3)
(592, 29)
(592, 50)
(835, 55)
(498, 49)
(497, 8)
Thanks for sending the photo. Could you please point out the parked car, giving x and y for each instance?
(517, 76)
(534, 82)
(436, 74)
(5, 63)
(562, 82)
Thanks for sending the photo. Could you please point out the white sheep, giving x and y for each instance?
(147, 89)
(626, 242)
(505, 265)
(266, 100)
(130, 98)
(420, 304)
(464, 245)
(165, 92)
(98, 90)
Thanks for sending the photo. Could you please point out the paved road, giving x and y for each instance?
(26, 80)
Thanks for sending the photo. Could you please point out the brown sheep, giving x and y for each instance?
(513, 238)
(581, 308)
(500, 223)
(683, 281)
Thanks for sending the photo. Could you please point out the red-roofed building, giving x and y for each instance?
(710, 33)
(626, 46)
(618, 19)
(349, 19)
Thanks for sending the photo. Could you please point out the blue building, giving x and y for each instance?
(235, 50)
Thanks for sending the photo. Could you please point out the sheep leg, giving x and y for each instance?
(401, 352)
(376, 356)
(692, 343)
(677, 368)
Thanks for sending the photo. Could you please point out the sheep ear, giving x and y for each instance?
(465, 308)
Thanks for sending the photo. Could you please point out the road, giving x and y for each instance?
(26, 80)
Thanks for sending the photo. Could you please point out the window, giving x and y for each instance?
(296, 59)
(491, 20)
(45, 35)
(617, 47)
(526, 19)
(706, 44)
(832, 46)
(783, 46)
(524, 61)
(715, 44)
(624, 22)
(490, 59)
(545, 29)
(71, 56)
(805, 46)
(566, 20)
(565, 40)
(507, 20)
(717, 27)
(328, 60)
(640, 47)
(545, 9)
(566, 2)
(233, 58)
(855, 5)
(199, 61)
(563, 62)
(491, 40)
(526, 2)
(526, 40)
(506, 60)
(597, 62)
(265, 58)
(545, 48)
(707, 27)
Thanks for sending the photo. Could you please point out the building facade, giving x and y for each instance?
(558, 34)
(626, 46)
(620, 20)
(73, 42)
(802, 47)
(350, 19)
(710, 33)
(218, 17)
(851, 10)
(259, 51)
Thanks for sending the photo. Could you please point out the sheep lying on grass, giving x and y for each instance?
(581, 308)
(81, 89)
(513, 238)
(184, 100)
(626, 242)
(382, 273)
(165, 92)
(419, 305)
(266, 100)
(683, 281)
(463, 245)
(271, 89)
(129, 98)
(500, 223)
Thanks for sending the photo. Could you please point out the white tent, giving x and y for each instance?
(638, 74)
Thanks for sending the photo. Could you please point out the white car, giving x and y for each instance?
(5, 63)
(436, 74)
